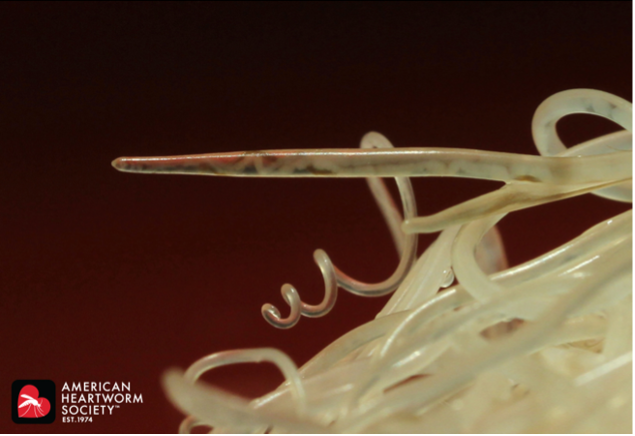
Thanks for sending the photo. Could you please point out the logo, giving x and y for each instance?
(33, 401)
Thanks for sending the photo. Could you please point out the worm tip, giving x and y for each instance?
(120, 164)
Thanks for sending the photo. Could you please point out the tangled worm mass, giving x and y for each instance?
(541, 347)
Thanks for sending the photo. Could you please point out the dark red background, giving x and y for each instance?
(108, 276)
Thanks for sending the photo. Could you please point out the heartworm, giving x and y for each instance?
(540, 347)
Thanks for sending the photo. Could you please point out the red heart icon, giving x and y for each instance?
(30, 405)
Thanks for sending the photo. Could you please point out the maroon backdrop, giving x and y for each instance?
(108, 276)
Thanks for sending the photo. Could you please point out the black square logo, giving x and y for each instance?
(33, 401)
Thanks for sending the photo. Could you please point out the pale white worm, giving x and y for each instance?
(334, 277)
(441, 358)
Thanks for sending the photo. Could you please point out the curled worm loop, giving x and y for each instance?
(334, 277)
